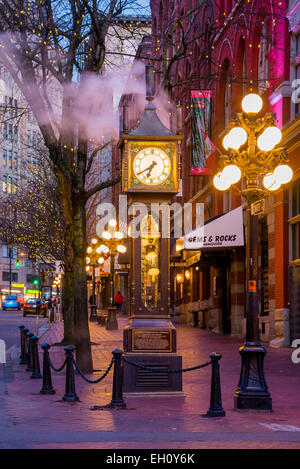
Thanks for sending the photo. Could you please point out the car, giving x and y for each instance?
(30, 307)
(11, 302)
(20, 299)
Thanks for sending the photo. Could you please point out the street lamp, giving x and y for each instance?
(110, 244)
(113, 241)
(251, 154)
(94, 258)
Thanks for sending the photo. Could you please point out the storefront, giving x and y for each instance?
(208, 275)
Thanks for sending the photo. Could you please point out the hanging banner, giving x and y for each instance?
(202, 147)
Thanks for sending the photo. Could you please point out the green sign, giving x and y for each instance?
(28, 290)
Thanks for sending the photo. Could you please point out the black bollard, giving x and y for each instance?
(36, 373)
(23, 352)
(47, 381)
(29, 336)
(70, 394)
(117, 391)
(25, 331)
(215, 409)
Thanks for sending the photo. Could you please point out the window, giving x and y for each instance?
(28, 137)
(263, 59)
(10, 159)
(28, 162)
(16, 107)
(15, 186)
(31, 277)
(6, 276)
(227, 100)
(295, 220)
(10, 131)
(5, 252)
(10, 107)
(16, 133)
(4, 131)
(15, 161)
(206, 292)
(4, 158)
(9, 184)
(4, 183)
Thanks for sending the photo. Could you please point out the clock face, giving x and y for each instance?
(152, 166)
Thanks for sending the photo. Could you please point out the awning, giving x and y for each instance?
(223, 232)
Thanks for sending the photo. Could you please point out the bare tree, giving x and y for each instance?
(62, 44)
(31, 218)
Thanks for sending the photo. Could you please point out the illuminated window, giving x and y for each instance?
(4, 158)
(4, 183)
(9, 184)
(10, 159)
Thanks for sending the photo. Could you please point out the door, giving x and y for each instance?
(226, 299)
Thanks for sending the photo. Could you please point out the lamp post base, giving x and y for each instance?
(252, 392)
(112, 323)
(93, 315)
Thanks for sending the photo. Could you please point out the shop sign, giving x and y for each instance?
(225, 231)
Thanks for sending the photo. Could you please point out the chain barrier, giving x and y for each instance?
(29, 356)
(89, 380)
(57, 370)
(148, 368)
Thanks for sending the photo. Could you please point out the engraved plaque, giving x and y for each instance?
(151, 341)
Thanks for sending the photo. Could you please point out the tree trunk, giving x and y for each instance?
(81, 320)
(68, 308)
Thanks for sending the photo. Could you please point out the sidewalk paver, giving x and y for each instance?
(41, 421)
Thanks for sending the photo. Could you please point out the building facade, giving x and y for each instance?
(233, 48)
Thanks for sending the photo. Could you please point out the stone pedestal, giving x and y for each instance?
(151, 343)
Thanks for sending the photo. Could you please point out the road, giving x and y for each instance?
(10, 322)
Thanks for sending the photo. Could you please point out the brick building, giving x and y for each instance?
(233, 48)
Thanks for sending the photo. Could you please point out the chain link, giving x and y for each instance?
(148, 368)
(52, 366)
(97, 380)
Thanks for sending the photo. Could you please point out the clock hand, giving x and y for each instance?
(154, 163)
(149, 168)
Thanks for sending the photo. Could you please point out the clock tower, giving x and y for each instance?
(150, 178)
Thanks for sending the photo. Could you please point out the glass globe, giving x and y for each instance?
(220, 182)
(101, 260)
(118, 235)
(88, 260)
(121, 248)
(269, 138)
(252, 103)
(106, 235)
(89, 250)
(112, 222)
(232, 173)
(275, 186)
(235, 138)
(270, 182)
(283, 173)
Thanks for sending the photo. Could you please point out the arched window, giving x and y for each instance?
(263, 59)
(227, 95)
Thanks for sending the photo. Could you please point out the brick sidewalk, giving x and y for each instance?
(161, 422)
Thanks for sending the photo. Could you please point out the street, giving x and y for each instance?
(31, 420)
(9, 322)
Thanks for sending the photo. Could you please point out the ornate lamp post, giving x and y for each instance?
(110, 244)
(251, 154)
(94, 259)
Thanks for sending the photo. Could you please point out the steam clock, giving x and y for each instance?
(150, 178)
